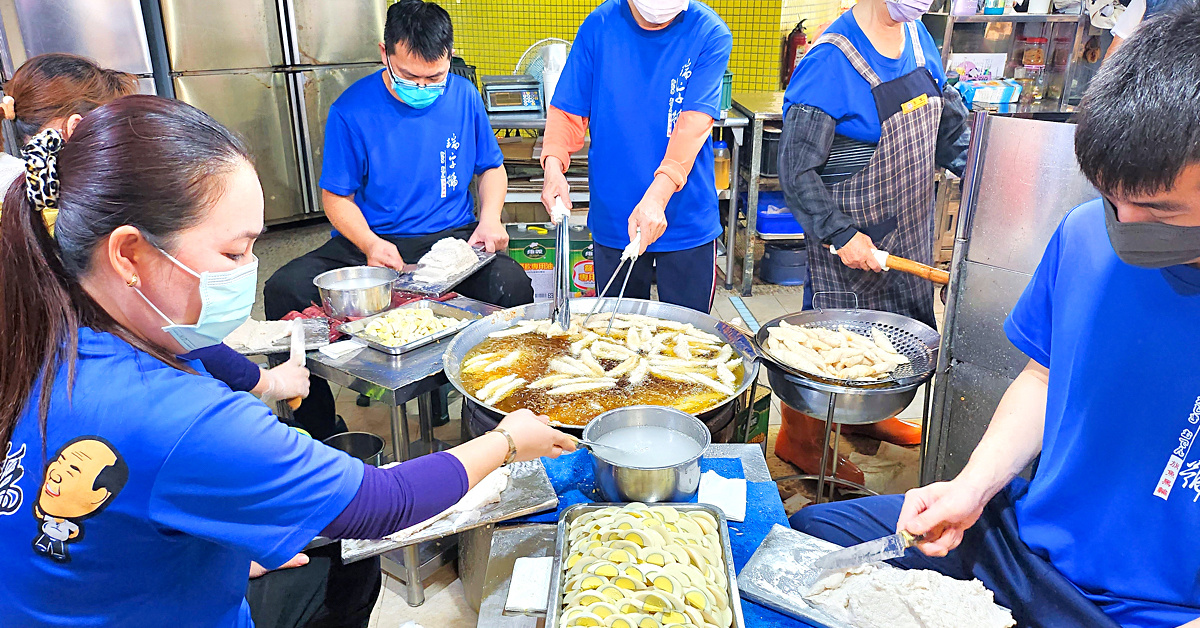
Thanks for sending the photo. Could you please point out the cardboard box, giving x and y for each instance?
(992, 92)
(755, 430)
(532, 246)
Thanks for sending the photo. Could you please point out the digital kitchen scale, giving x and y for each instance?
(515, 93)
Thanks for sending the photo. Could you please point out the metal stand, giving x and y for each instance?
(412, 565)
(404, 448)
(834, 431)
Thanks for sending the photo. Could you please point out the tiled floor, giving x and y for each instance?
(888, 467)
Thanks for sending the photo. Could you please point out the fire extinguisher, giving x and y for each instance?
(794, 48)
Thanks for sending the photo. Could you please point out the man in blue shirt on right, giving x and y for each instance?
(1110, 399)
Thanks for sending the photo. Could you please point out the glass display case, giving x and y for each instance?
(1061, 44)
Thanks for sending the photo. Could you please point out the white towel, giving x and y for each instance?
(343, 349)
(727, 494)
(529, 589)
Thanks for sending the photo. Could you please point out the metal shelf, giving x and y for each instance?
(770, 237)
(1014, 17)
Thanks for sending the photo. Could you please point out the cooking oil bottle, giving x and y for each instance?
(721, 164)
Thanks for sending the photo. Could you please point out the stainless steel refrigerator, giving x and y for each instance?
(269, 70)
(110, 31)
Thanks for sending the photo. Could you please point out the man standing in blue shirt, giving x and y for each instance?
(646, 75)
(1109, 403)
(401, 148)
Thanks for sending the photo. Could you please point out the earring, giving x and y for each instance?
(132, 281)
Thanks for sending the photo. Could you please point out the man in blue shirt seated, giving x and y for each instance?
(1110, 399)
(401, 148)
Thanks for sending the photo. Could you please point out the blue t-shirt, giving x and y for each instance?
(825, 79)
(157, 489)
(1117, 491)
(633, 84)
(408, 169)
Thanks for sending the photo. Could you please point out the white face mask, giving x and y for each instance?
(660, 11)
(226, 298)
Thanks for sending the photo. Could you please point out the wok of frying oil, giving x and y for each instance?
(577, 409)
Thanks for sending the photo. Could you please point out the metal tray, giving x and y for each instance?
(781, 571)
(554, 604)
(408, 284)
(357, 329)
(529, 491)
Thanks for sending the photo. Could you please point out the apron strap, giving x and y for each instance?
(915, 36)
(860, 64)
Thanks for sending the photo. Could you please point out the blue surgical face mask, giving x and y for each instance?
(226, 298)
(413, 95)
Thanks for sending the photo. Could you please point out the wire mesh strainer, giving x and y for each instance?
(912, 339)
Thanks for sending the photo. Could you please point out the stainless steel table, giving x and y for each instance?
(395, 380)
(510, 543)
(758, 107)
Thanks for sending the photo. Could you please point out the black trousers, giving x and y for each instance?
(502, 282)
(322, 594)
(687, 277)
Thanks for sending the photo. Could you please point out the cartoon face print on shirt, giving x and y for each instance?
(82, 478)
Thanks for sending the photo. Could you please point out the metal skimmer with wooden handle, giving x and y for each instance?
(905, 265)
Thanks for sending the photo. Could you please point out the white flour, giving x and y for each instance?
(871, 597)
(447, 257)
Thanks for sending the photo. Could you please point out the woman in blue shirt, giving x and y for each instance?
(136, 491)
(867, 119)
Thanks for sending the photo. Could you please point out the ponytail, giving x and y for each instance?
(39, 317)
(148, 162)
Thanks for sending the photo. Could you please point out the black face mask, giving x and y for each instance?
(1151, 244)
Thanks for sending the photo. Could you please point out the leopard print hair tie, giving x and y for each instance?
(41, 174)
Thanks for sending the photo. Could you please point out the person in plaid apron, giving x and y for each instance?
(863, 135)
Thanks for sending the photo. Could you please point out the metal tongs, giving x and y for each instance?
(561, 313)
(631, 252)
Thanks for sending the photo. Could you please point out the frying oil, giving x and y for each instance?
(534, 364)
(647, 446)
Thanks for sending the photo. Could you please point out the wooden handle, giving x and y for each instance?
(294, 402)
(903, 265)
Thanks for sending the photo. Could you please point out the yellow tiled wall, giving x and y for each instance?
(492, 34)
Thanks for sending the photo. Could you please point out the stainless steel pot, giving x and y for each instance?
(355, 291)
(649, 483)
(477, 332)
(362, 445)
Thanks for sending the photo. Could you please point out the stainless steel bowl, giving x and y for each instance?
(854, 406)
(650, 483)
(356, 291)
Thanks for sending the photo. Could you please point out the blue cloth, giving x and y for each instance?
(227, 365)
(991, 551)
(851, 104)
(632, 84)
(574, 482)
(1117, 487)
(408, 169)
(163, 486)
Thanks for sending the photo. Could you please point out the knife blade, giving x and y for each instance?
(885, 548)
(297, 354)
(297, 347)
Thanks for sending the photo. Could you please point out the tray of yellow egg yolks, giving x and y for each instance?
(643, 566)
